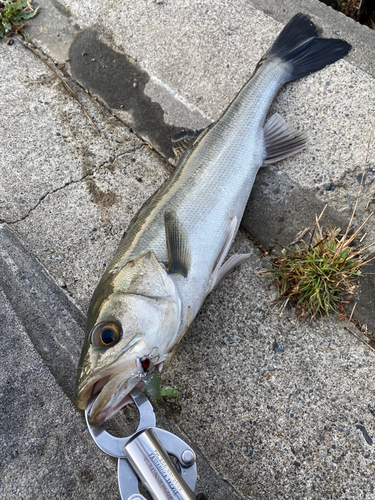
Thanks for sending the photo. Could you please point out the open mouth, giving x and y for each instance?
(98, 386)
(110, 384)
(111, 395)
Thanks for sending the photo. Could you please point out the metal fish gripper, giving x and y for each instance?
(145, 457)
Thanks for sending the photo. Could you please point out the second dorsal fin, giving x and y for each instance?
(280, 140)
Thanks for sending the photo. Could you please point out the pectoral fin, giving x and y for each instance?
(177, 245)
(280, 140)
(221, 271)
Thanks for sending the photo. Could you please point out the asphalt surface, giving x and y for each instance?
(274, 408)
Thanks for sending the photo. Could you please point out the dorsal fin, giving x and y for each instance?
(183, 140)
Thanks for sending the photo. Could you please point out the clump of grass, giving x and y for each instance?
(13, 15)
(315, 276)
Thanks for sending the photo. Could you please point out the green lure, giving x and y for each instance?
(156, 391)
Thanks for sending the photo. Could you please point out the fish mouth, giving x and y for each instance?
(111, 384)
(111, 393)
(111, 397)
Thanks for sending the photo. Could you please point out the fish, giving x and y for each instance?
(173, 253)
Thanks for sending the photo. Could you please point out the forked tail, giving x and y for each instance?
(299, 45)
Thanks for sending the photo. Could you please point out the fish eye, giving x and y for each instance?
(105, 334)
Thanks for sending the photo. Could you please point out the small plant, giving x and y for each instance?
(13, 15)
(315, 276)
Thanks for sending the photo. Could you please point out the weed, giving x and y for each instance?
(13, 15)
(315, 276)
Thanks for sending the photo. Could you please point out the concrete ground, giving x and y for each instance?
(273, 407)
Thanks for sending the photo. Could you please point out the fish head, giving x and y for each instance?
(132, 326)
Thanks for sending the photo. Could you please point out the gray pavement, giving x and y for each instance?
(274, 408)
(45, 449)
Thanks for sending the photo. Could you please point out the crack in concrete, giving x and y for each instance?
(73, 181)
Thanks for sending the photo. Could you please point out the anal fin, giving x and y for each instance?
(280, 140)
(177, 245)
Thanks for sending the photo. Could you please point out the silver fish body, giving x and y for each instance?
(209, 189)
(172, 255)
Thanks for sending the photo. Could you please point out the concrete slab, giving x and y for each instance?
(203, 58)
(282, 409)
(73, 227)
(40, 114)
(45, 449)
(279, 409)
(288, 209)
(245, 403)
(74, 230)
(207, 62)
(47, 315)
(58, 176)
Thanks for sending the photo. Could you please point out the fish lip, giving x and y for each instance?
(108, 403)
(86, 392)
(95, 420)
(98, 419)
(97, 387)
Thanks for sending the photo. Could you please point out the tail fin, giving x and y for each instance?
(299, 45)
